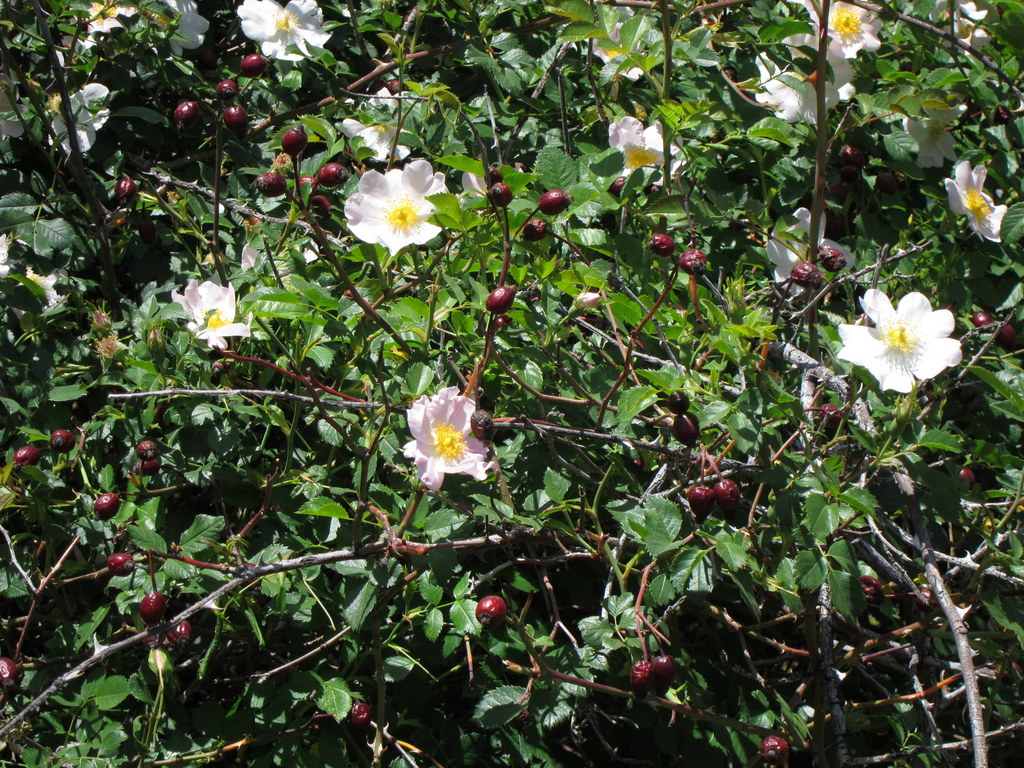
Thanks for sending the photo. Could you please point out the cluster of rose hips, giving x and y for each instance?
(551, 203)
(685, 425)
(692, 261)
(1006, 336)
(234, 116)
(61, 441)
(658, 674)
(702, 499)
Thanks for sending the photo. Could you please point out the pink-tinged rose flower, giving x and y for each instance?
(211, 309)
(442, 441)
(588, 300)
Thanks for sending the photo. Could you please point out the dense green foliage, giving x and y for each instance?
(290, 443)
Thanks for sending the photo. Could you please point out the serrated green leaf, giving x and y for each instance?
(1012, 228)
(107, 692)
(811, 569)
(940, 440)
(555, 169)
(462, 617)
(335, 699)
(202, 534)
(433, 624)
(499, 705)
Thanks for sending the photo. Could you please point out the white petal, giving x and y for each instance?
(876, 305)
(915, 309)
(861, 345)
(934, 356)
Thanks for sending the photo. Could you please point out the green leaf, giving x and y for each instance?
(634, 400)
(358, 607)
(499, 705)
(1012, 228)
(67, 392)
(555, 485)
(323, 507)
(462, 617)
(940, 440)
(811, 569)
(204, 533)
(335, 699)
(16, 208)
(433, 624)
(107, 692)
(555, 169)
(847, 593)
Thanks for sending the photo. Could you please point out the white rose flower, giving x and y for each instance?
(5, 247)
(908, 343)
(392, 210)
(934, 143)
(965, 26)
(610, 47)
(284, 33)
(967, 198)
(640, 146)
(793, 96)
(212, 309)
(442, 443)
(46, 282)
(89, 117)
(376, 137)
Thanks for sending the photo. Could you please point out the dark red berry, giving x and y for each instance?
(662, 245)
(394, 85)
(254, 65)
(120, 564)
(1006, 337)
(874, 593)
(481, 424)
(271, 184)
(534, 230)
(106, 506)
(702, 501)
(235, 118)
(727, 494)
(886, 183)
(294, 140)
(61, 441)
(491, 611)
(186, 114)
(852, 156)
(850, 174)
(664, 668)
(146, 449)
(774, 750)
(152, 608)
(500, 300)
(360, 714)
(504, 320)
(553, 202)
(148, 467)
(616, 186)
(500, 195)
(838, 192)
(320, 205)
(494, 175)
(9, 673)
(206, 58)
(979, 319)
(307, 184)
(693, 261)
(1002, 115)
(968, 477)
(331, 175)
(641, 677)
(146, 229)
(686, 428)
(806, 274)
(180, 635)
(227, 90)
(831, 258)
(26, 456)
(125, 190)
(678, 402)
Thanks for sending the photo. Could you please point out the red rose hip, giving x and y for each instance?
(331, 175)
(235, 118)
(26, 456)
(360, 714)
(125, 190)
(686, 428)
(491, 611)
(641, 677)
(271, 184)
(874, 592)
(152, 608)
(664, 669)
(693, 261)
(180, 635)
(227, 90)
(186, 114)
(774, 750)
(120, 564)
(553, 202)
(500, 300)
(9, 673)
(106, 506)
(294, 140)
(500, 195)
(727, 494)
(702, 501)
(534, 230)
(254, 65)
(662, 245)
(61, 441)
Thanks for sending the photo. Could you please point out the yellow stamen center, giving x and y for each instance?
(36, 278)
(102, 12)
(402, 214)
(217, 319)
(450, 442)
(899, 338)
(287, 21)
(846, 21)
(976, 203)
(53, 103)
(637, 157)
